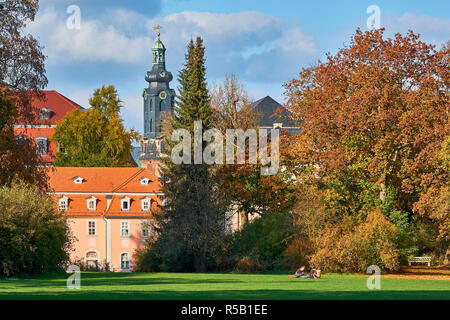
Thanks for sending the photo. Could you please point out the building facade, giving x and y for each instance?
(108, 210)
(47, 112)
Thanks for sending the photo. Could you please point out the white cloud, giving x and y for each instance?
(94, 41)
(235, 42)
(434, 30)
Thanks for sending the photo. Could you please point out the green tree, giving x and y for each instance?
(191, 225)
(34, 237)
(97, 136)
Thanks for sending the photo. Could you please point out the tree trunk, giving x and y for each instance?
(447, 256)
(243, 218)
(383, 190)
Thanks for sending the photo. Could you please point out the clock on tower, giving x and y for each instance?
(158, 99)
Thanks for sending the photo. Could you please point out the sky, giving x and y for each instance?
(264, 43)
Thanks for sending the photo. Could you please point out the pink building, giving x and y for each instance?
(108, 211)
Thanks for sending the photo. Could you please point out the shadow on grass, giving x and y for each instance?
(127, 286)
(226, 295)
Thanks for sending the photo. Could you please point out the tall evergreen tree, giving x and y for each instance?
(191, 224)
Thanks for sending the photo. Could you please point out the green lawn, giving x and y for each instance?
(218, 286)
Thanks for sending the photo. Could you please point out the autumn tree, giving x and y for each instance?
(95, 137)
(22, 76)
(241, 185)
(374, 117)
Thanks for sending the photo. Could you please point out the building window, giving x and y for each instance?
(41, 146)
(125, 203)
(61, 148)
(146, 204)
(44, 113)
(91, 228)
(78, 180)
(145, 229)
(63, 204)
(125, 229)
(92, 204)
(125, 261)
(144, 181)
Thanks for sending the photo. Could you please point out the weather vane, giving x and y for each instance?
(157, 27)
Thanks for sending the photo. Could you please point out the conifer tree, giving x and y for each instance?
(191, 224)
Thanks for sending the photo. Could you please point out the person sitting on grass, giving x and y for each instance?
(300, 273)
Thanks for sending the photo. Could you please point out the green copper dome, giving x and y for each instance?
(159, 53)
(158, 45)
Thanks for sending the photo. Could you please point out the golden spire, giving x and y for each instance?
(157, 27)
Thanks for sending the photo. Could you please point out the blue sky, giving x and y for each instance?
(265, 43)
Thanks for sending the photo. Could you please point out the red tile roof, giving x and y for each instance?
(103, 182)
(59, 104)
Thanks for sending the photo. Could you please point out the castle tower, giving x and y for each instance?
(158, 99)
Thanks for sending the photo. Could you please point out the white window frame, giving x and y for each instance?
(63, 204)
(122, 235)
(89, 228)
(144, 181)
(145, 225)
(61, 148)
(78, 180)
(125, 200)
(129, 260)
(148, 201)
(94, 200)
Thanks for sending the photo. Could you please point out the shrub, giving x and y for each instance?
(34, 238)
(84, 266)
(264, 239)
(373, 241)
(248, 265)
(297, 253)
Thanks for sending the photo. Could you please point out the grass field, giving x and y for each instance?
(219, 286)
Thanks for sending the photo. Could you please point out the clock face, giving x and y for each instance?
(162, 95)
(162, 74)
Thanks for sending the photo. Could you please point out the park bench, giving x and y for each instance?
(420, 260)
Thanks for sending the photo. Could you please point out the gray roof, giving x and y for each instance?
(267, 108)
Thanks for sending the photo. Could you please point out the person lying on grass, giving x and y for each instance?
(300, 273)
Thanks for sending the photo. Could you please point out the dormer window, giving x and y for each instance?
(63, 203)
(146, 203)
(78, 180)
(45, 113)
(144, 181)
(92, 203)
(125, 203)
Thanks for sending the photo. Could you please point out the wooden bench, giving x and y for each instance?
(420, 260)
